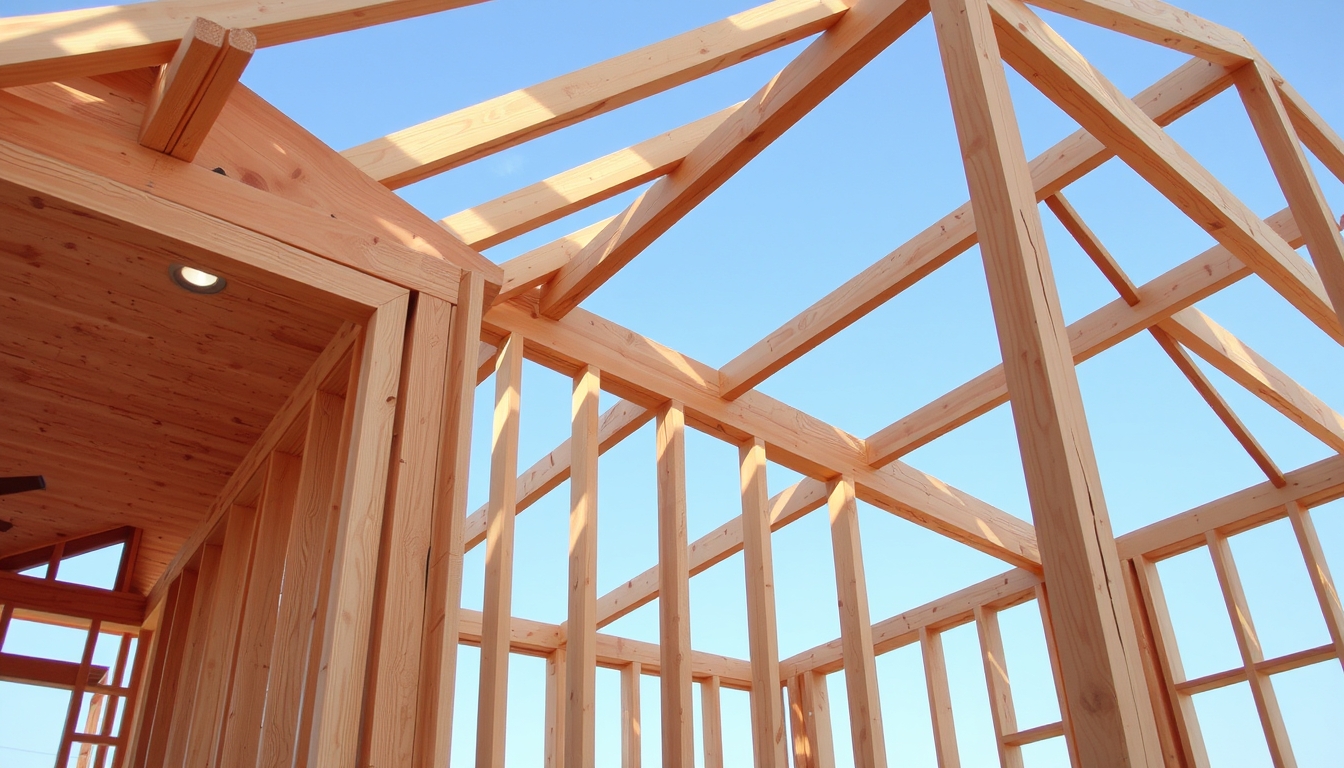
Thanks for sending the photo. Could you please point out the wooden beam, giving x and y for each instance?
(810, 719)
(447, 142)
(153, 721)
(1163, 296)
(674, 582)
(1243, 365)
(1174, 95)
(1206, 390)
(864, 32)
(631, 755)
(443, 579)
(1162, 24)
(345, 636)
(1258, 86)
(174, 748)
(1317, 134)
(710, 550)
(193, 88)
(767, 715)
(122, 609)
(55, 46)
(619, 422)
(526, 272)
(856, 628)
(555, 709)
(711, 716)
(1319, 571)
(649, 374)
(999, 685)
(520, 212)
(1093, 247)
(581, 630)
(1068, 80)
(48, 673)
(492, 706)
(394, 656)
(940, 699)
(1077, 548)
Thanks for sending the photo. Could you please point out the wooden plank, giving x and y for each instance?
(212, 94)
(710, 550)
(767, 715)
(54, 46)
(1258, 86)
(645, 372)
(492, 706)
(1317, 134)
(1093, 247)
(1319, 571)
(1245, 366)
(49, 673)
(856, 628)
(524, 273)
(241, 730)
(630, 716)
(303, 568)
(447, 142)
(555, 709)
(1174, 95)
(394, 656)
(1077, 547)
(443, 579)
(1248, 642)
(1062, 74)
(711, 717)
(1000, 688)
(674, 582)
(1219, 406)
(123, 609)
(1052, 651)
(1162, 24)
(810, 718)
(865, 31)
(1164, 711)
(581, 630)
(151, 722)
(1032, 735)
(345, 636)
(174, 744)
(517, 213)
(940, 699)
(179, 81)
(1163, 296)
(77, 695)
(131, 707)
(619, 422)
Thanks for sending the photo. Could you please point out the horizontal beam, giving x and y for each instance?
(1159, 23)
(1176, 94)
(72, 600)
(1162, 297)
(537, 205)
(647, 373)
(48, 673)
(455, 139)
(55, 46)
(535, 638)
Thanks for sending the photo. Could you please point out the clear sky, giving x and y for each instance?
(872, 166)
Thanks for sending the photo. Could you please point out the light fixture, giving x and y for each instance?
(195, 280)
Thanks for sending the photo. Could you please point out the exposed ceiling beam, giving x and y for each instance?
(1176, 94)
(92, 41)
(864, 32)
(447, 142)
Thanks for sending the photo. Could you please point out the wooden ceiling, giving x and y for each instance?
(136, 399)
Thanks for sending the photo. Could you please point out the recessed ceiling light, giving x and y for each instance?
(195, 280)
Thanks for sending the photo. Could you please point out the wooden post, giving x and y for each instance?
(345, 639)
(1164, 640)
(443, 583)
(1155, 687)
(1082, 569)
(77, 695)
(492, 709)
(674, 584)
(630, 716)
(1326, 593)
(767, 712)
(178, 724)
(810, 716)
(856, 628)
(555, 709)
(711, 719)
(1000, 687)
(581, 637)
(151, 724)
(940, 699)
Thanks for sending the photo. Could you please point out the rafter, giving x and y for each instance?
(526, 272)
(1160, 23)
(649, 374)
(55, 46)
(1317, 134)
(1067, 79)
(520, 212)
(447, 142)
(1174, 95)
(1162, 297)
(864, 32)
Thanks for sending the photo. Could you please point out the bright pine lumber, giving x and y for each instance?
(55, 46)
(447, 142)
(1160, 23)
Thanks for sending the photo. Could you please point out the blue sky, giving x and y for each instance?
(872, 166)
